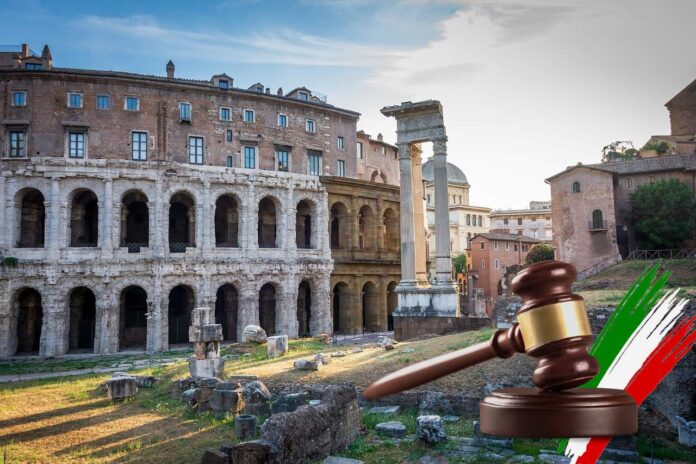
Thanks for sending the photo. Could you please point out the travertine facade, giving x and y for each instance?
(127, 200)
(534, 221)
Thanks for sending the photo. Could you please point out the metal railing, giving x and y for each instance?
(135, 247)
(597, 226)
(676, 253)
(177, 247)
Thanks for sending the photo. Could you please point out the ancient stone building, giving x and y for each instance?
(465, 220)
(682, 112)
(126, 200)
(377, 160)
(534, 221)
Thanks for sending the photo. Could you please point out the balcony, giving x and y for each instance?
(597, 226)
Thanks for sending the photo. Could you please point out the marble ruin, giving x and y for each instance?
(206, 336)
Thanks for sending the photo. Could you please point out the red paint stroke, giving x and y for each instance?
(661, 361)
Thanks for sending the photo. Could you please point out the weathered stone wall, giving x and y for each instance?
(379, 162)
(682, 112)
(56, 268)
(408, 327)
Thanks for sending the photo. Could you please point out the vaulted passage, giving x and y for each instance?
(267, 308)
(29, 321)
(304, 305)
(339, 227)
(31, 220)
(366, 228)
(267, 224)
(340, 307)
(392, 303)
(83, 313)
(180, 306)
(303, 225)
(226, 222)
(226, 310)
(182, 223)
(84, 219)
(135, 221)
(390, 223)
(133, 318)
(370, 307)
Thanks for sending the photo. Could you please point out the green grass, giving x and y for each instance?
(674, 452)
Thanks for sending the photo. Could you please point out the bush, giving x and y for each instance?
(459, 264)
(539, 252)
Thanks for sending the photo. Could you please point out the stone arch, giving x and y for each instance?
(181, 302)
(268, 222)
(133, 317)
(135, 220)
(29, 311)
(227, 310)
(374, 176)
(390, 222)
(83, 316)
(305, 224)
(304, 308)
(267, 307)
(366, 228)
(30, 229)
(340, 307)
(370, 307)
(227, 221)
(339, 227)
(182, 222)
(84, 218)
(392, 303)
(383, 177)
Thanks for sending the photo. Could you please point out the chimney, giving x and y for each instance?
(25, 50)
(46, 58)
(380, 137)
(268, 91)
(170, 70)
(280, 92)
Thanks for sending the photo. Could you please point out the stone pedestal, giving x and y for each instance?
(206, 337)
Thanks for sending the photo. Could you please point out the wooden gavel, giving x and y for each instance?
(552, 327)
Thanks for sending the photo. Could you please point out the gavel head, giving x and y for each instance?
(554, 325)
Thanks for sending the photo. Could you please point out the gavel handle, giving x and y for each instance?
(503, 344)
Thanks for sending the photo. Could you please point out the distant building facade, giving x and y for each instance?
(377, 160)
(465, 220)
(491, 255)
(535, 221)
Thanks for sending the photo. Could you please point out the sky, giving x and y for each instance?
(528, 87)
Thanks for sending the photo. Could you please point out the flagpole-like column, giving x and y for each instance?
(443, 258)
(408, 250)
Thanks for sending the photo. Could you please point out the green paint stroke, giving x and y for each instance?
(628, 315)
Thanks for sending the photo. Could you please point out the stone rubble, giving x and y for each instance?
(395, 429)
(257, 398)
(120, 388)
(206, 336)
(277, 346)
(254, 334)
(307, 365)
(289, 403)
(430, 429)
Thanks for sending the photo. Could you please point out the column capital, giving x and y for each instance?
(404, 150)
(440, 145)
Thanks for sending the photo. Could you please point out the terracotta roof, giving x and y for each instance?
(638, 166)
(507, 237)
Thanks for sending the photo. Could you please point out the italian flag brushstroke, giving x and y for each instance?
(640, 344)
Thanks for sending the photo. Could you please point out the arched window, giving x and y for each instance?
(182, 223)
(597, 220)
(576, 187)
(31, 219)
(84, 219)
(135, 221)
(267, 223)
(226, 222)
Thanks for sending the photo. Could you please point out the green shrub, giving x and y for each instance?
(539, 252)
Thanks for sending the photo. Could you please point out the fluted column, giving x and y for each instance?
(443, 258)
(419, 214)
(408, 250)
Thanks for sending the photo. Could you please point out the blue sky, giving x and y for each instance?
(528, 86)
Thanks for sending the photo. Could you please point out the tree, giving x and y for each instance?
(539, 252)
(662, 214)
(619, 151)
(459, 263)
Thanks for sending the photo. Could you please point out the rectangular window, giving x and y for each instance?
(230, 135)
(468, 219)
(480, 221)
(225, 114)
(495, 245)
(224, 84)
(74, 100)
(384, 150)
(76, 145)
(483, 264)
(17, 144)
(33, 66)
(185, 111)
(505, 222)
(19, 98)
(309, 126)
(314, 163)
(507, 246)
(230, 162)
(196, 150)
(359, 150)
(340, 143)
(282, 160)
(282, 120)
(139, 144)
(250, 157)
(131, 104)
(304, 96)
(497, 264)
(102, 102)
(519, 221)
(341, 168)
(248, 115)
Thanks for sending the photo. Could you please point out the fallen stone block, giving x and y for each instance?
(205, 333)
(430, 429)
(254, 334)
(245, 426)
(253, 452)
(208, 382)
(338, 354)
(306, 365)
(227, 449)
(324, 338)
(120, 388)
(226, 401)
(322, 358)
(255, 392)
(395, 429)
(277, 346)
(213, 456)
(289, 403)
(388, 347)
(386, 410)
(202, 368)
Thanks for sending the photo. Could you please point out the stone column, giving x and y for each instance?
(54, 327)
(291, 214)
(208, 221)
(250, 210)
(408, 250)
(54, 227)
(106, 232)
(418, 215)
(155, 340)
(248, 308)
(158, 227)
(355, 223)
(443, 257)
(10, 218)
(107, 323)
(4, 238)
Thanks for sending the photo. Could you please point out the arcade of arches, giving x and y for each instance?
(360, 305)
